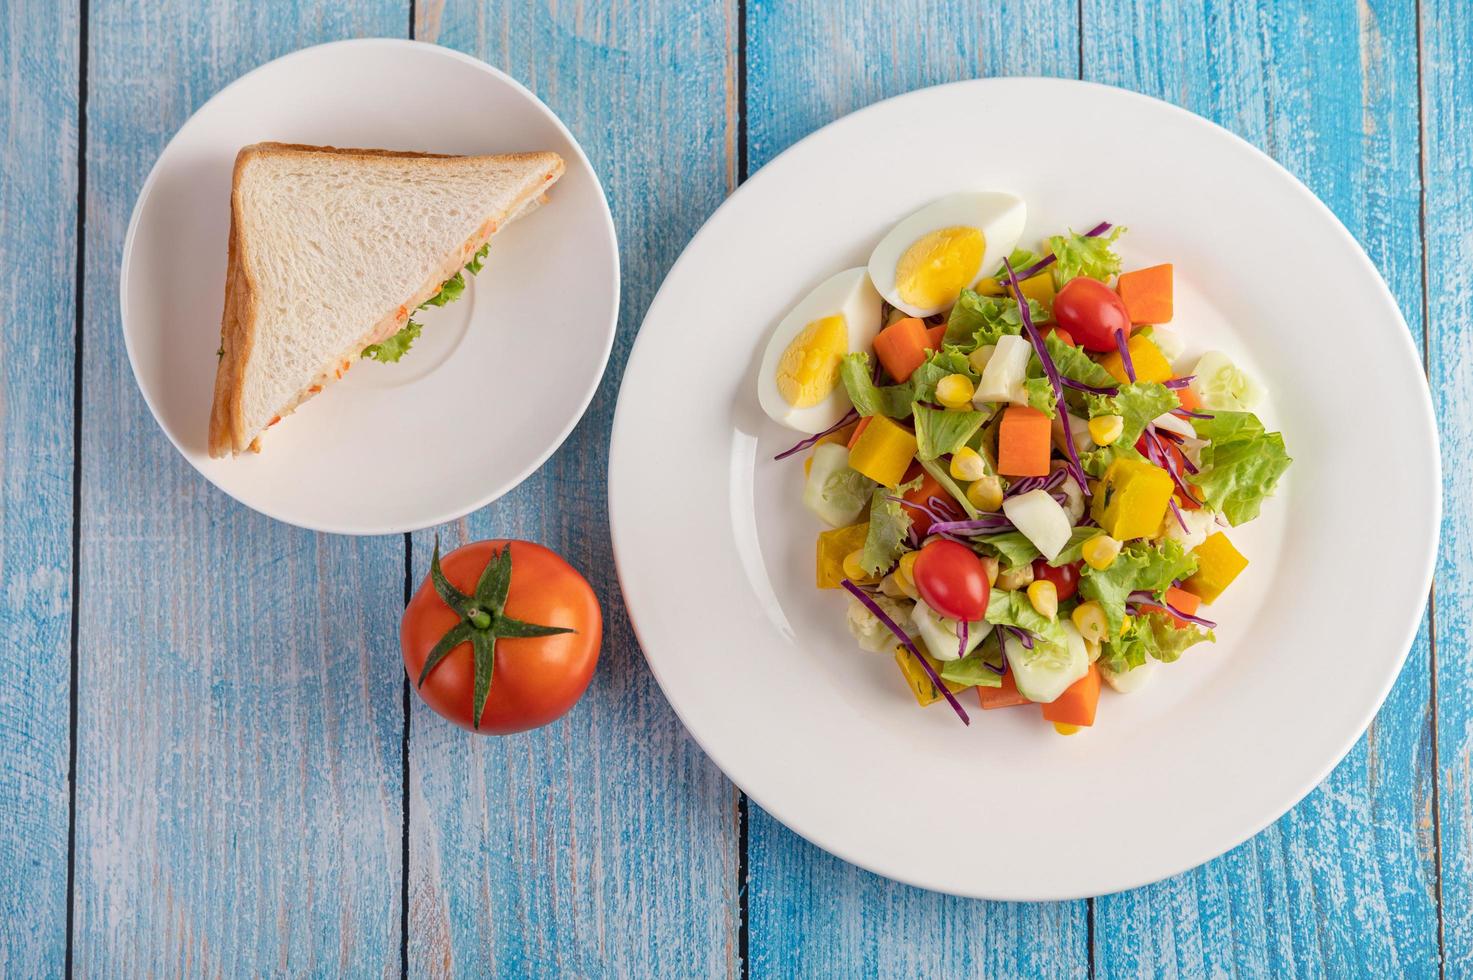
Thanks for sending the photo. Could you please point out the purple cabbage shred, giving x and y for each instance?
(909, 644)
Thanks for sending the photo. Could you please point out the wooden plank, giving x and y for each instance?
(38, 242)
(604, 844)
(810, 913)
(239, 779)
(1345, 883)
(1447, 85)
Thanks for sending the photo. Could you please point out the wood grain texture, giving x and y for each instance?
(1345, 883)
(38, 195)
(1447, 87)
(811, 914)
(605, 843)
(239, 779)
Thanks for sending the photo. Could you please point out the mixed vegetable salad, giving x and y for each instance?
(1027, 494)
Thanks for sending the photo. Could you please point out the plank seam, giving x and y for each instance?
(1432, 592)
(404, 781)
(743, 934)
(405, 707)
(76, 585)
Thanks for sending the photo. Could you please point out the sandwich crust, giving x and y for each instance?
(227, 435)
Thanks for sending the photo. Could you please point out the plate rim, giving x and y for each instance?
(625, 545)
(610, 333)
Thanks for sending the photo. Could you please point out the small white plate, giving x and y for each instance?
(718, 577)
(497, 380)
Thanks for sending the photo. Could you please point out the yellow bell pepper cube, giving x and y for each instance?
(990, 287)
(1132, 499)
(1040, 289)
(1218, 563)
(883, 451)
(918, 680)
(1149, 363)
(832, 547)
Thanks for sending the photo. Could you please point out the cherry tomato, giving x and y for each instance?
(1065, 577)
(1092, 313)
(950, 578)
(534, 679)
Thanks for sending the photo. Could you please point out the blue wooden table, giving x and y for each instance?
(210, 763)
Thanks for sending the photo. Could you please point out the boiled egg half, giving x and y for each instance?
(798, 384)
(925, 262)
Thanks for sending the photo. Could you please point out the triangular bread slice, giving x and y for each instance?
(331, 250)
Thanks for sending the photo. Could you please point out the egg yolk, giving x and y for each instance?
(809, 369)
(939, 265)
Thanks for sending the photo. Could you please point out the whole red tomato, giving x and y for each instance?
(1065, 577)
(524, 622)
(950, 578)
(1092, 313)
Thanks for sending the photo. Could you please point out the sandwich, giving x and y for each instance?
(332, 251)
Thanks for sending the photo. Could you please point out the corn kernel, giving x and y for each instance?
(990, 566)
(853, 570)
(1105, 429)
(1015, 578)
(904, 573)
(985, 493)
(1064, 729)
(955, 391)
(978, 359)
(967, 464)
(1125, 624)
(1045, 598)
(1100, 551)
(1089, 619)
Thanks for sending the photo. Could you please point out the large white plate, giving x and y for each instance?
(498, 378)
(715, 551)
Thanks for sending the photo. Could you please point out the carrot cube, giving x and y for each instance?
(1023, 440)
(901, 347)
(1147, 294)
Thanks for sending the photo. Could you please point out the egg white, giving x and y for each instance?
(850, 294)
(999, 215)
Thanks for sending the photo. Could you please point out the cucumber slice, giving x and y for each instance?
(939, 633)
(835, 492)
(1222, 385)
(1044, 672)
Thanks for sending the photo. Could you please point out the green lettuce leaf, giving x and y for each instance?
(1020, 260)
(478, 261)
(867, 397)
(972, 670)
(1141, 566)
(976, 320)
(938, 365)
(1137, 404)
(1152, 635)
(395, 347)
(1241, 464)
(1040, 392)
(889, 525)
(939, 431)
(1012, 548)
(1080, 255)
(450, 290)
(1009, 608)
(1074, 363)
